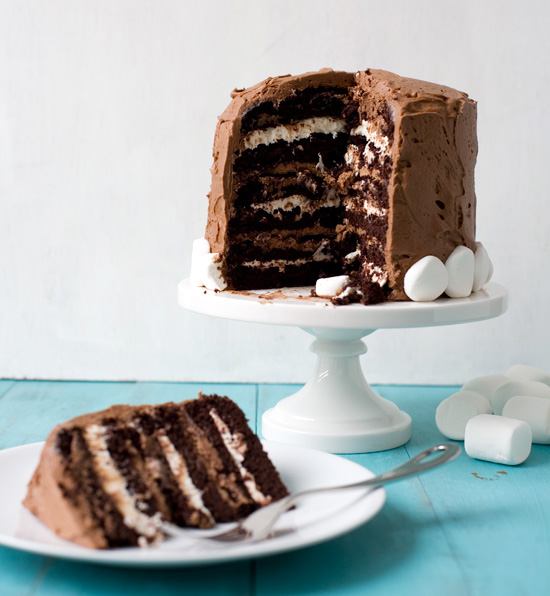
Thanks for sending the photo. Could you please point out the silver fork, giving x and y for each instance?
(259, 524)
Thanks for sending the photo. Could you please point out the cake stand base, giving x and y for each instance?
(337, 410)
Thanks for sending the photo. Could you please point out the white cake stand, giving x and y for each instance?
(337, 411)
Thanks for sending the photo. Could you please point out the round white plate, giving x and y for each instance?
(316, 519)
(296, 306)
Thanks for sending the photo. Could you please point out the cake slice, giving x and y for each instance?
(107, 478)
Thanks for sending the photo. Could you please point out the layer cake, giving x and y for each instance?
(332, 173)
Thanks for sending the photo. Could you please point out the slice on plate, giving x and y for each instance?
(107, 478)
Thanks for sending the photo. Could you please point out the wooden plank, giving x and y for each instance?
(23, 574)
(20, 572)
(27, 414)
(153, 393)
(67, 579)
(268, 396)
(496, 518)
(5, 386)
(404, 550)
(30, 409)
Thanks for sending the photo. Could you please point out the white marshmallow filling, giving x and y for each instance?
(114, 484)
(237, 447)
(179, 469)
(294, 132)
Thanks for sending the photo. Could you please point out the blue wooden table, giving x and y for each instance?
(468, 528)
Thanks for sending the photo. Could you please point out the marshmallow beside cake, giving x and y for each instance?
(331, 174)
(499, 416)
(106, 479)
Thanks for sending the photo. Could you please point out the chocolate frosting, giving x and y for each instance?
(432, 198)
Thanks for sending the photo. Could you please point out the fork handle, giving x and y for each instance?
(419, 463)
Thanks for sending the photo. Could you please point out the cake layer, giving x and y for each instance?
(306, 103)
(304, 273)
(259, 189)
(289, 214)
(323, 150)
(272, 247)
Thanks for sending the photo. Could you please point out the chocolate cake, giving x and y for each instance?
(106, 479)
(332, 173)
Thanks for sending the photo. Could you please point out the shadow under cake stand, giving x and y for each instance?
(337, 410)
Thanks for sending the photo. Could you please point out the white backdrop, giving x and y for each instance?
(107, 115)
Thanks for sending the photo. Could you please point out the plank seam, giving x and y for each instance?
(253, 571)
(252, 563)
(452, 550)
(7, 389)
(40, 576)
(256, 405)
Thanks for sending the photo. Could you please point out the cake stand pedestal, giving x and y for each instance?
(337, 410)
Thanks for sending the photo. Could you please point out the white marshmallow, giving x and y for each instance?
(491, 271)
(460, 267)
(510, 389)
(483, 268)
(200, 248)
(327, 287)
(486, 385)
(533, 410)
(210, 272)
(522, 372)
(351, 256)
(498, 439)
(426, 280)
(453, 413)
